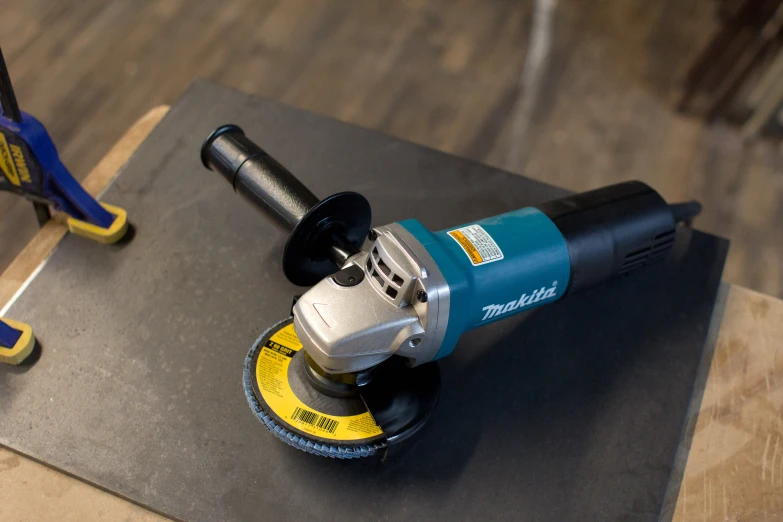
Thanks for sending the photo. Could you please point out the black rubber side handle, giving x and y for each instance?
(322, 235)
(257, 176)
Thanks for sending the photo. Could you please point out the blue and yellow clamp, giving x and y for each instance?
(32, 168)
(16, 341)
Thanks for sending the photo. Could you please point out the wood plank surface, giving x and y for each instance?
(444, 73)
(734, 470)
(32, 492)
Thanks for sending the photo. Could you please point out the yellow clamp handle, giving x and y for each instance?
(107, 236)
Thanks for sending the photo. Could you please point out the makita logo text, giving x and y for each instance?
(536, 296)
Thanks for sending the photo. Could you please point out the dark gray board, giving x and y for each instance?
(570, 412)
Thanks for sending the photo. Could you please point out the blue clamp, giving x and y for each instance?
(31, 167)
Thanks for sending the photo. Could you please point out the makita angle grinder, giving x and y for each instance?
(353, 372)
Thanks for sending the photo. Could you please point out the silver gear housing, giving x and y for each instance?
(400, 307)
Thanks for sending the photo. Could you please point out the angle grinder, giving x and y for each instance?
(353, 371)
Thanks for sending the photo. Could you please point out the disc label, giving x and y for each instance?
(272, 379)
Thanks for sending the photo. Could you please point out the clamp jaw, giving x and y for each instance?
(32, 168)
(16, 341)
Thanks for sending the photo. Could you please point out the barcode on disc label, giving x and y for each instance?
(477, 244)
(314, 419)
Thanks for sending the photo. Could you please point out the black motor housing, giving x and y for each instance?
(613, 230)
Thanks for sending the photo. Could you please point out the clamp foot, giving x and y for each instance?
(106, 236)
(23, 346)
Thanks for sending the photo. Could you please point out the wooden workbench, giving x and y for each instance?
(733, 469)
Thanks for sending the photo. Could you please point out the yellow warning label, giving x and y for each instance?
(477, 244)
(467, 246)
(7, 162)
(272, 378)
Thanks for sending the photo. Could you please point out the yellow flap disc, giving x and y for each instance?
(280, 396)
(292, 400)
(107, 236)
(23, 347)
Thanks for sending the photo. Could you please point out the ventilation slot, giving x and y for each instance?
(660, 246)
(383, 268)
(630, 266)
(389, 282)
(636, 254)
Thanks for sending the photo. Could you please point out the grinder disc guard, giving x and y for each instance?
(281, 395)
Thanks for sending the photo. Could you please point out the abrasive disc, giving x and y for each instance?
(283, 399)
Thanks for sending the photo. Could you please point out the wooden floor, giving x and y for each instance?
(444, 73)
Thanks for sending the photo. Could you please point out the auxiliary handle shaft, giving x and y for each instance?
(322, 234)
(257, 177)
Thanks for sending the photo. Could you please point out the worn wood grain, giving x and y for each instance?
(444, 73)
(734, 470)
(30, 492)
